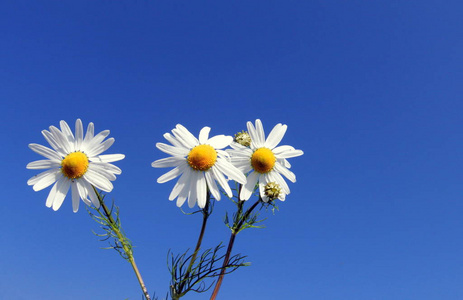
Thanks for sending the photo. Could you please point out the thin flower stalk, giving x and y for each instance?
(125, 245)
(235, 230)
(177, 294)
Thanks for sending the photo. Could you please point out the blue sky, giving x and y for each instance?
(370, 90)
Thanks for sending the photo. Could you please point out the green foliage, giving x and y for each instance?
(185, 279)
(111, 224)
(247, 219)
(243, 220)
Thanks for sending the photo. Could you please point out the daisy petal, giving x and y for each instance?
(107, 158)
(174, 151)
(108, 168)
(192, 195)
(95, 141)
(177, 136)
(280, 149)
(284, 162)
(244, 166)
(229, 170)
(51, 140)
(182, 198)
(88, 135)
(51, 195)
(83, 193)
(179, 186)
(62, 190)
(101, 147)
(92, 195)
(264, 179)
(168, 162)
(187, 136)
(260, 132)
(285, 172)
(75, 197)
(221, 180)
(43, 164)
(186, 187)
(46, 152)
(47, 179)
(67, 132)
(290, 154)
(248, 187)
(79, 134)
(204, 135)
(223, 154)
(220, 141)
(201, 190)
(169, 137)
(275, 136)
(170, 175)
(98, 180)
(212, 186)
(253, 134)
(61, 140)
(103, 170)
(36, 178)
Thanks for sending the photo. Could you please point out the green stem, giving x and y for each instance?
(122, 239)
(235, 230)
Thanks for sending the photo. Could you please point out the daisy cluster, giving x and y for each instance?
(253, 160)
(203, 164)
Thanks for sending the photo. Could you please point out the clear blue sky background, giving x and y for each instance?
(371, 91)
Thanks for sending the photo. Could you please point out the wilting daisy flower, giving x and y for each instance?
(200, 162)
(74, 162)
(265, 162)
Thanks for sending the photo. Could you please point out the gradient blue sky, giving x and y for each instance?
(371, 91)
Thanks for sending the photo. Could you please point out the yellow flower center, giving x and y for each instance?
(202, 157)
(74, 165)
(263, 160)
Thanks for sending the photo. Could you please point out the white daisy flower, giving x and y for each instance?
(74, 162)
(200, 162)
(264, 161)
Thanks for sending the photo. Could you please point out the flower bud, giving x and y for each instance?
(243, 138)
(272, 190)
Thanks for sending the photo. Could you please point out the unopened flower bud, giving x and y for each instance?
(243, 138)
(272, 190)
